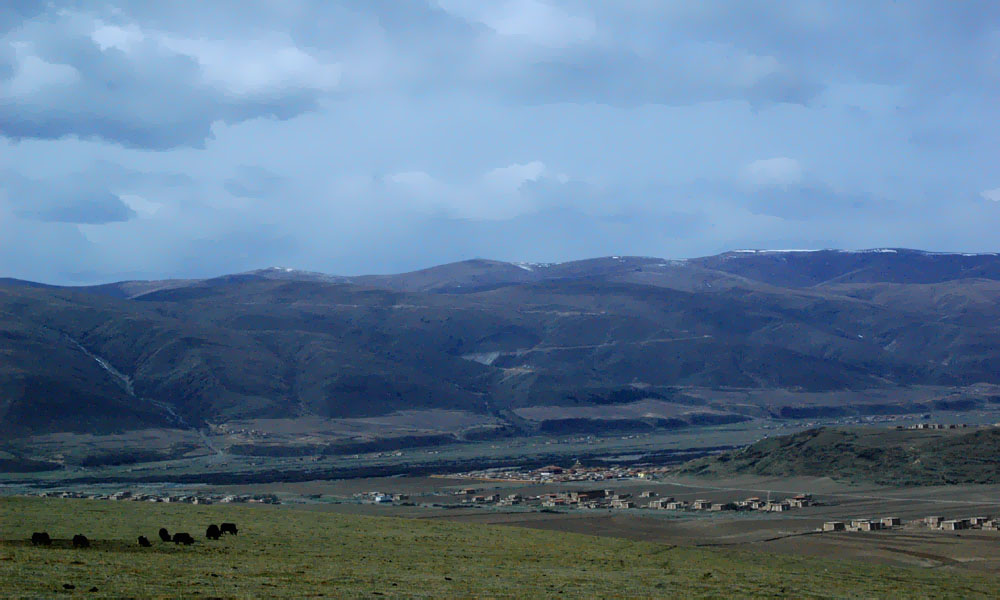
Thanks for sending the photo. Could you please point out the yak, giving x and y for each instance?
(80, 541)
(213, 532)
(183, 538)
(41, 539)
(228, 528)
(164, 534)
(144, 541)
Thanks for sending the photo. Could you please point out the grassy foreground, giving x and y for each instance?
(285, 552)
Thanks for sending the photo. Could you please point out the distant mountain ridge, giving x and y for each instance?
(495, 338)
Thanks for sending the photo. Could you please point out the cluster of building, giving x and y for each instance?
(126, 495)
(225, 429)
(959, 524)
(863, 524)
(752, 503)
(934, 426)
(608, 498)
(381, 497)
(557, 474)
(939, 523)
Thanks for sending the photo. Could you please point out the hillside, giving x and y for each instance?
(612, 343)
(879, 455)
(296, 553)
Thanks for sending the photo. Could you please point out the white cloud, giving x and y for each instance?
(510, 178)
(141, 206)
(496, 195)
(258, 66)
(993, 194)
(413, 179)
(34, 74)
(120, 38)
(533, 20)
(773, 171)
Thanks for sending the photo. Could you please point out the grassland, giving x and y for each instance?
(867, 454)
(285, 552)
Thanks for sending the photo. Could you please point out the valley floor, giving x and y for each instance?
(290, 552)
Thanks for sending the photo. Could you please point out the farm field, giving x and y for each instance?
(289, 552)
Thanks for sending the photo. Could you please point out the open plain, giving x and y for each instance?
(289, 552)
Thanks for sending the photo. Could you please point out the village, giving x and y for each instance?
(933, 523)
(126, 495)
(557, 474)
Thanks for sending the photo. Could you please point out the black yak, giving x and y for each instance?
(213, 532)
(183, 538)
(164, 534)
(228, 528)
(80, 541)
(144, 541)
(41, 539)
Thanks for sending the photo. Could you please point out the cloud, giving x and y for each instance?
(70, 200)
(773, 171)
(993, 194)
(534, 21)
(510, 178)
(352, 136)
(498, 194)
(254, 182)
(76, 75)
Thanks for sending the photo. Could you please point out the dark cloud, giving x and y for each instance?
(74, 199)
(193, 138)
(75, 75)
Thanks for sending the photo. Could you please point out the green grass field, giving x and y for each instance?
(288, 552)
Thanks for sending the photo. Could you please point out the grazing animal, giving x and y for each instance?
(144, 541)
(228, 528)
(80, 541)
(164, 534)
(183, 538)
(213, 532)
(41, 539)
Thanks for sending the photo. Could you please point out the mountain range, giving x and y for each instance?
(614, 342)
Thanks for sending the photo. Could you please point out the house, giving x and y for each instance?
(587, 495)
(891, 522)
(933, 521)
(621, 503)
(834, 526)
(865, 525)
(977, 521)
(955, 524)
(778, 507)
(718, 506)
(800, 501)
(647, 494)
(676, 505)
(701, 505)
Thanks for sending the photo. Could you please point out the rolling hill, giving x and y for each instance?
(888, 457)
(689, 341)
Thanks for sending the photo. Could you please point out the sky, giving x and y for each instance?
(147, 140)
